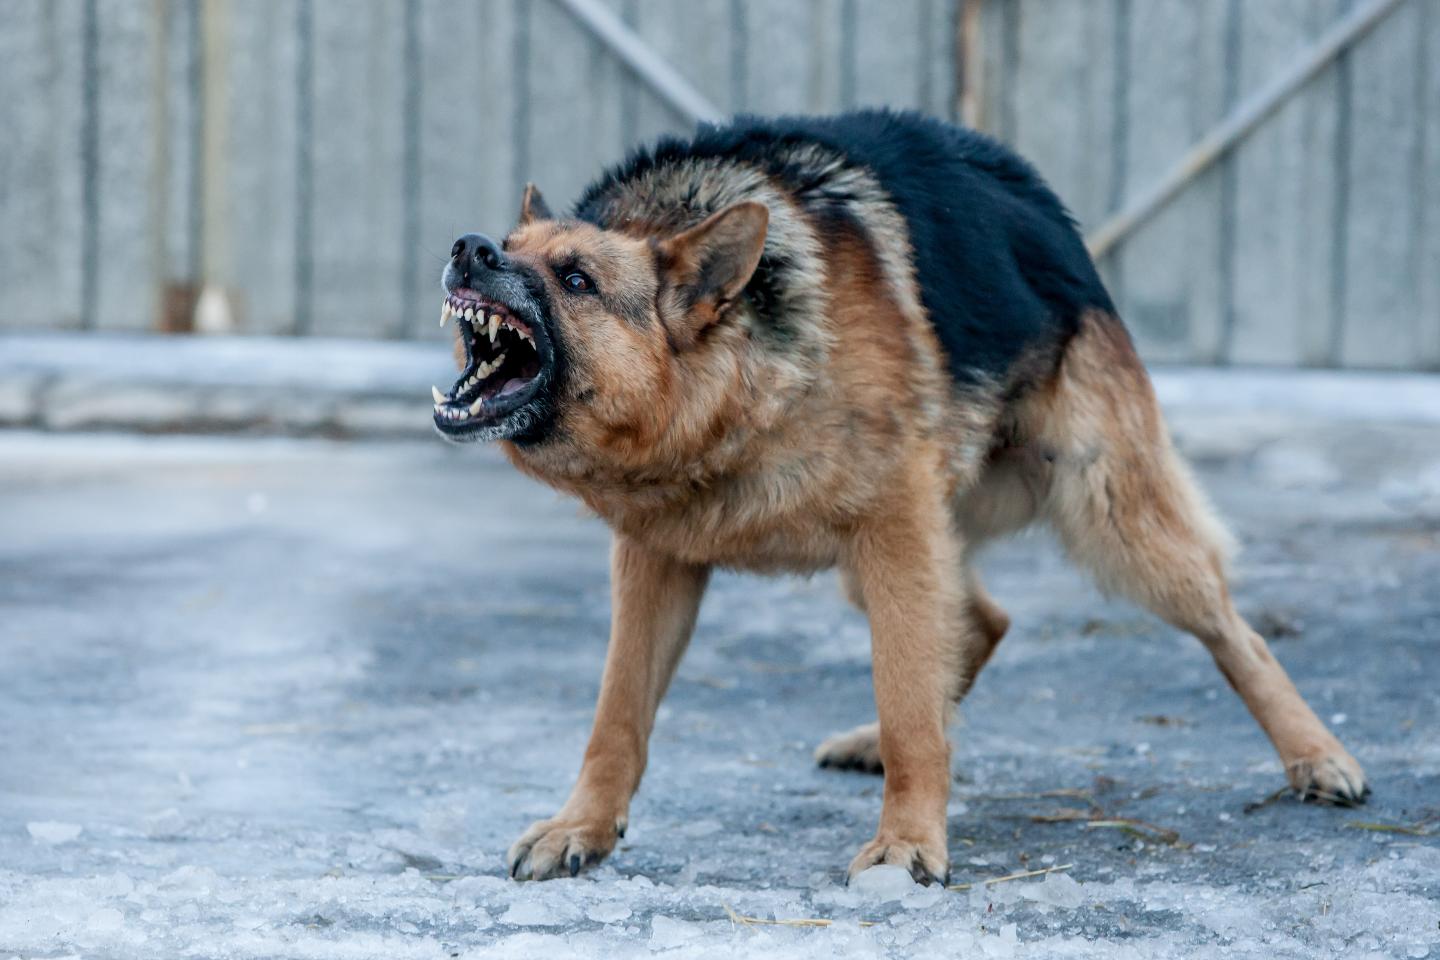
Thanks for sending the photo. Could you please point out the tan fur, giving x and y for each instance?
(702, 443)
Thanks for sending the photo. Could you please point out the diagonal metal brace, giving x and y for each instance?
(643, 61)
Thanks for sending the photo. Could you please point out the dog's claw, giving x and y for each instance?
(926, 863)
(1334, 778)
(559, 848)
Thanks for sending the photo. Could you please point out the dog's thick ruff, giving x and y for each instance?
(869, 342)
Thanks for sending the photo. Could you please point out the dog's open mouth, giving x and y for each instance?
(505, 362)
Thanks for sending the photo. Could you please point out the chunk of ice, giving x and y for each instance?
(1057, 890)
(918, 897)
(883, 883)
(53, 831)
(531, 913)
(608, 912)
(667, 934)
(105, 920)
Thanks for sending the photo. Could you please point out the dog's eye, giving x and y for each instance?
(578, 282)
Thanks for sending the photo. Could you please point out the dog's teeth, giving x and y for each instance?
(494, 326)
(435, 392)
(475, 407)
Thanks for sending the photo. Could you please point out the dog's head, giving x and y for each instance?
(593, 338)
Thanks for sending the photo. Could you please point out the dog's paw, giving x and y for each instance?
(927, 861)
(857, 749)
(561, 847)
(1329, 776)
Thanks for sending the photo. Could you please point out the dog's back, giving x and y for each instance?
(998, 264)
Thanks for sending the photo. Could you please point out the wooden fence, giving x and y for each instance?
(1315, 243)
(308, 162)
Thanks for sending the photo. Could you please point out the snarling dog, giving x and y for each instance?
(869, 342)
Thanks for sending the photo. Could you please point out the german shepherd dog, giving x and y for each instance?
(871, 342)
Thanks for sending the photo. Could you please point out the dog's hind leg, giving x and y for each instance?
(1125, 507)
(859, 748)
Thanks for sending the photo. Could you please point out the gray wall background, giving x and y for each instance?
(312, 160)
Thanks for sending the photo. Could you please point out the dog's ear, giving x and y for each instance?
(532, 206)
(705, 268)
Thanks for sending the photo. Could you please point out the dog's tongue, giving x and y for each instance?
(511, 386)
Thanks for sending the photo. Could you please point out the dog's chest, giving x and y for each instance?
(735, 529)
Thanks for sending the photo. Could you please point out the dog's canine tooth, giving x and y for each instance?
(475, 407)
(494, 325)
(435, 392)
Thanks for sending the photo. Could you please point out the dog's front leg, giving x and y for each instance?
(904, 561)
(654, 600)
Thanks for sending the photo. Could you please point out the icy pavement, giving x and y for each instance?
(293, 699)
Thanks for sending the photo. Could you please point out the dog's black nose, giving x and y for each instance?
(474, 252)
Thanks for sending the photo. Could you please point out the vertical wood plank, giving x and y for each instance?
(698, 45)
(177, 170)
(1380, 308)
(252, 159)
(1171, 268)
(571, 117)
(778, 49)
(467, 146)
(1000, 67)
(827, 45)
(40, 163)
(939, 36)
(1429, 279)
(357, 173)
(126, 275)
(1064, 114)
(890, 67)
(1285, 196)
(792, 56)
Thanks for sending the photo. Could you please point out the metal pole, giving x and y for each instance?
(669, 85)
(1239, 124)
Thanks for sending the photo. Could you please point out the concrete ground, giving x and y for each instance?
(294, 698)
